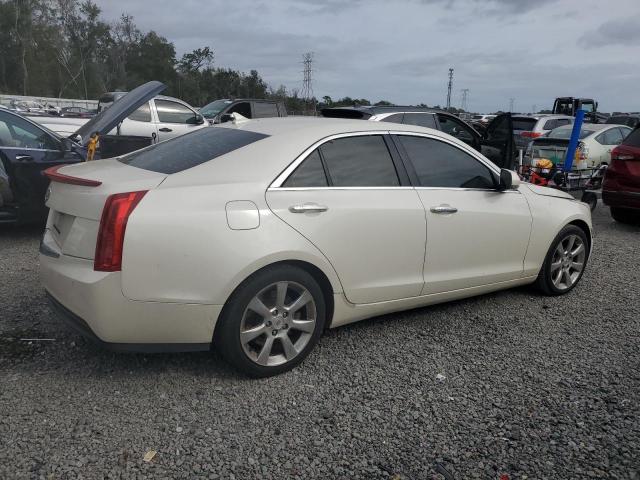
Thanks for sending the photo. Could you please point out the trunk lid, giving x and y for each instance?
(75, 210)
(109, 118)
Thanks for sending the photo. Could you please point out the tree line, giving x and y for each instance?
(65, 49)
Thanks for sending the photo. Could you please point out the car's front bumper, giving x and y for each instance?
(93, 303)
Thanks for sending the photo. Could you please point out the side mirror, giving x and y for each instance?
(509, 180)
(199, 119)
(226, 117)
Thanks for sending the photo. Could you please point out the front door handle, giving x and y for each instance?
(24, 158)
(165, 129)
(443, 209)
(308, 208)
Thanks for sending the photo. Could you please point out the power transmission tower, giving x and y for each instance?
(307, 83)
(449, 88)
(512, 102)
(465, 94)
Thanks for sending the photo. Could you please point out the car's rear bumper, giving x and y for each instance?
(93, 303)
(621, 199)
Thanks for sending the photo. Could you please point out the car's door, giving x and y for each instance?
(349, 195)
(174, 119)
(458, 129)
(140, 123)
(498, 144)
(25, 151)
(476, 235)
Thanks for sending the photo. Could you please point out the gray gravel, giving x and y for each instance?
(534, 388)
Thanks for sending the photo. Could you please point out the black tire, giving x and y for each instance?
(227, 335)
(544, 282)
(590, 199)
(626, 216)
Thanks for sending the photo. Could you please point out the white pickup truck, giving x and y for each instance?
(160, 118)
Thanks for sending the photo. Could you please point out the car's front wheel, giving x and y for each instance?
(272, 321)
(565, 261)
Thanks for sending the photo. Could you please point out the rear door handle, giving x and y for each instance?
(24, 158)
(308, 208)
(165, 129)
(443, 209)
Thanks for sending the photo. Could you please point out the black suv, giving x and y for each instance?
(220, 111)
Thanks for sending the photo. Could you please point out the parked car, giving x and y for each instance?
(255, 237)
(621, 187)
(496, 141)
(528, 127)
(630, 120)
(28, 148)
(594, 148)
(158, 119)
(80, 112)
(219, 111)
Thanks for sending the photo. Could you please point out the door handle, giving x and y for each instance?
(24, 158)
(165, 129)
(308, 208)
(443, 209)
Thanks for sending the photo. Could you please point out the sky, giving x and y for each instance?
(401, 50)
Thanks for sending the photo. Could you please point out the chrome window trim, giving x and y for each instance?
(294, 189)
(30, 149)
(280, 179)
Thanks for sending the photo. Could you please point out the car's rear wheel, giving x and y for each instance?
(565, 262)
(272, 321)
(624, 215)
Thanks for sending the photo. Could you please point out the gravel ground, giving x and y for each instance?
(534, 388)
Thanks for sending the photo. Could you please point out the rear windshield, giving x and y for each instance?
(190, 150)
(565, 133)
(525, 124)
(633, 139)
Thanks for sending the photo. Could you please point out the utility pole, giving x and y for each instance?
(512, 102)
(449, 88)
(307, 84)
(534, 109)
(465, 94)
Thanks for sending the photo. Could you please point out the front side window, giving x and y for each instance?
(420, 119)
(243, 108)
(455, 128)
(361, 161)
(439, 164)
(174, 112)
(18, 132)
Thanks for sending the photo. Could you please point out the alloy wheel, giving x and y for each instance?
(568, 262)
(278, 323)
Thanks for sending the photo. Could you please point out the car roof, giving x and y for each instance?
(377, 109)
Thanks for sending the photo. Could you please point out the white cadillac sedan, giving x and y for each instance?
(255, 237)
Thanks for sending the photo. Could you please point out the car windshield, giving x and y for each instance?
(565, 133)
(214, 108)
(190, 150)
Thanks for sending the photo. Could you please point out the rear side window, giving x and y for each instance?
(263, 109)
(190, 150)
(142, 114)
(524, 124)
(420, 119)
(395, 118)
(610, 137)
(359, 162)
(439, 164)
(310, 173)
(633, 139)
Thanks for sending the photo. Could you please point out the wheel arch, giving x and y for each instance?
(582, 225)
(317, 273)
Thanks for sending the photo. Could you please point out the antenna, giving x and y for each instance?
(449, 88)
(307, 84)
(465, 95)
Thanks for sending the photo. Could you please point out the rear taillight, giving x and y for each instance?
(531, 134)
(55, 176)
(113, 223)
(616, 154)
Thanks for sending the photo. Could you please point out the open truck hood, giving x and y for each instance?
(108, 119)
